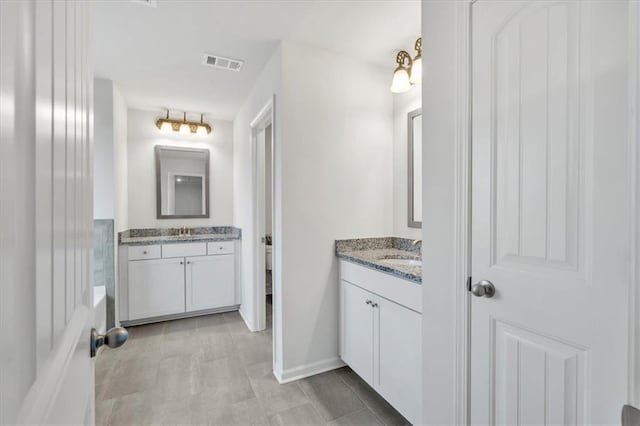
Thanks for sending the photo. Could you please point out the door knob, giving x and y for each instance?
(483, 288)
(113, 338)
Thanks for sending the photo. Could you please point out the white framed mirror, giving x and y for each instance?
(414, 133)
(182, 182)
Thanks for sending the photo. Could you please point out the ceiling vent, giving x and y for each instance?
(222, 62)
(150, 3)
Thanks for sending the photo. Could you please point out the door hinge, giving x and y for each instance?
(469, 283)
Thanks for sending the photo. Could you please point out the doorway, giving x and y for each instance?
(264, 290)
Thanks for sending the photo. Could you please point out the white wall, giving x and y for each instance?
(267, 85)
(143, 136)
(103, 163)
(336, 177)
(120, 162)
(110, 154)
(402, 105)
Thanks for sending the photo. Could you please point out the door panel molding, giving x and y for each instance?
(462, 214)
(45, 394)
(542, 362)
(523, 225)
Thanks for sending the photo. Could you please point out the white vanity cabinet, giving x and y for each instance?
(156, 287)
(167, 281)
(357, 330)
(209, 282)
(381, 335)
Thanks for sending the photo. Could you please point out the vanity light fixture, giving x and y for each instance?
(409, 71)
(183, 126)
(400, 82)
(416, 67)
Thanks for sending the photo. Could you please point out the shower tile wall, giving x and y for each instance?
(104, 267)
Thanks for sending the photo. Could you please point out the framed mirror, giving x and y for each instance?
(414, 133)
(182, 182)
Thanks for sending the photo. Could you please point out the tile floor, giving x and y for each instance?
(212, 370)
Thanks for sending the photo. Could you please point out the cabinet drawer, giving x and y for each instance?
(184, 250)
(144, 252)
(220, 247)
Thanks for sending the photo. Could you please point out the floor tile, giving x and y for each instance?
(303, 415)
(376, 404)
(213, 370)
(132, 375)
(273, 396)
(104, 408)
(242, 413)
(182, 411)
(225, 377)
(132, 409)
(330, 395)
(359, 418)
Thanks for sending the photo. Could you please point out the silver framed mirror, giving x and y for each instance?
(414, 167)
(182, 182)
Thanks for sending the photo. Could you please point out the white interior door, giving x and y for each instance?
(46, 215)
(550, 211)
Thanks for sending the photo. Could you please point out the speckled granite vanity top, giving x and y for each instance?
(137, 237)
(396, 256)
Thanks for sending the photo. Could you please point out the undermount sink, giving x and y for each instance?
(400, 261)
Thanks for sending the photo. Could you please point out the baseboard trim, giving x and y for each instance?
(246, 321)
(297, 373)
(181, 315)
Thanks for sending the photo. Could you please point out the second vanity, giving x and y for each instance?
(381, 318)
(167, 276)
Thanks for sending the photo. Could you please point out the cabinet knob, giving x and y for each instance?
(375, 305)
(144, 252)
(368, 302)
(181, 262)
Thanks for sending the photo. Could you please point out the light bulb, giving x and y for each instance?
(400, 83)
(165, 127)
(416, 71)
(184, 129)
(202, 131)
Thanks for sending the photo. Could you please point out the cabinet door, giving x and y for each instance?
(156, 287)
(400, 355)
(357, 330)
(210, 282)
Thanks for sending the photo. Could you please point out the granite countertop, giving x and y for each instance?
(375, 252)
(136, 237)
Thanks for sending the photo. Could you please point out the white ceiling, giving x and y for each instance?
(154, 55)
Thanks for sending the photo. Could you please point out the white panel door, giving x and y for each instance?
(550, 211)
(210, 282)
(46, 226)
(156, 288)
(357, 330)
(399, 349)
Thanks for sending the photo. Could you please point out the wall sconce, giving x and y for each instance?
(408, 71)
(183, 126)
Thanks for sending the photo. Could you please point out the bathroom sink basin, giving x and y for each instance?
(400, 261)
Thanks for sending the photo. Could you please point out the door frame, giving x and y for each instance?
(462, 210)
(633, 390)
(260, 123)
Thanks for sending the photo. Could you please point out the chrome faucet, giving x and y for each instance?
(417, 243)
